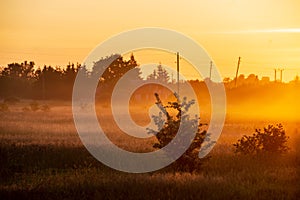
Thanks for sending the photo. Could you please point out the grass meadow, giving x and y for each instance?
(42, 157)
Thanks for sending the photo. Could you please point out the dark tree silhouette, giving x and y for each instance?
(160, 74)
(54, 82)
(16, 79)
(24, 81)
(116, 69)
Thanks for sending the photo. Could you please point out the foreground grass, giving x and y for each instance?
(52, 172)
(42, 158)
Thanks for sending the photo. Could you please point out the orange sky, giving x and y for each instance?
(266, 34)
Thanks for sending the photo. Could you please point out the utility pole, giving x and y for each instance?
(43, 85)
(237, 71)
(281, 74)
(210, 70)
(178, 73)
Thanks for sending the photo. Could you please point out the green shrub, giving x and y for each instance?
(168, 126)
(272, 140)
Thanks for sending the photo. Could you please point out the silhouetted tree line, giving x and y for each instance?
(26, 81)
(113, 73)
(160, 74)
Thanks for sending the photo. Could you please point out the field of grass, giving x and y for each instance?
(42, 157)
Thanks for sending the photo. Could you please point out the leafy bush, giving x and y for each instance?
(272, 140)
(168, 126)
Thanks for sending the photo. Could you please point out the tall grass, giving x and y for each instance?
(42, 158)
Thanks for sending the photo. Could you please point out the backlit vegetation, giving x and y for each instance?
(168, 124)
(271, 140)
(42, 157)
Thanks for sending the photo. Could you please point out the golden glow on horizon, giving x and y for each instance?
(265, 34)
